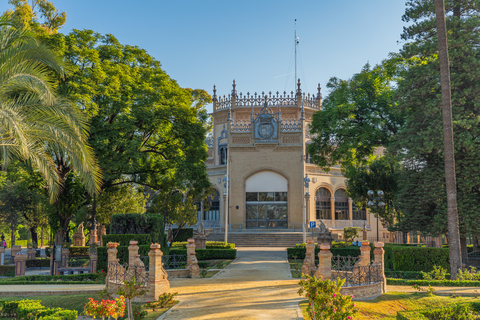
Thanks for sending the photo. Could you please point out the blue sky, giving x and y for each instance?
(202, 43)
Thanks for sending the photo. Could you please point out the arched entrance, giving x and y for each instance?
(266, 200)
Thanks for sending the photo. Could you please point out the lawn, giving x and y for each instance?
(387, 305)
(76, 302)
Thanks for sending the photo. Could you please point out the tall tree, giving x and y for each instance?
(451, 185)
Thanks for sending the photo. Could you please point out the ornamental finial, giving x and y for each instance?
(234, 90)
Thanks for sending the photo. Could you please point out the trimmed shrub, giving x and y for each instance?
(300, 252)
(439, 283)
(418, 259)
(460, 311)
(135, 223)
(61, 278)
(7, 271)
(209, 254)
(124, 239)
(183, 235)
(78, 251)
(32, 309)
(38, 263)
(209, 245)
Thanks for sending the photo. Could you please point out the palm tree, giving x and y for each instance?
(34, 122)
(451, 185)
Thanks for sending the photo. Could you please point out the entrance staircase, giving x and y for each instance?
(261, 239)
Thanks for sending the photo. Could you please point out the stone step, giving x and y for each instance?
(256, 239)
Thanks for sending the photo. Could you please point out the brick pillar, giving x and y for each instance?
(324, 262)
(132, 251)
(350, 211)
(65, 255)
(19, 261)
(379, 259)
(364, 254)
(157, 276)
(15, 250)
(332, 207)
(309, 261)
(192, 262)
(31, 253)
(112, 252)
(93, 262)
(2, 255)
(93, 236)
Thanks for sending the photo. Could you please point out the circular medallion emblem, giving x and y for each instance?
(265, 130)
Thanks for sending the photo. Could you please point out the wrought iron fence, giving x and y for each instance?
(7, 259)
(344, 263)
(174, 261)
(119, 273)
(360, 275)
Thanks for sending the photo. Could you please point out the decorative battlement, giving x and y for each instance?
(241, 126)
(291, 126)
(297, 99)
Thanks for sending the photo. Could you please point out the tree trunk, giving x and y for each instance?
(34, 234)
(475, 243)
(451, 185)
(463, 246)
(12, 235)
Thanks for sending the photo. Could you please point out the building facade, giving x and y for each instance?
(259, 165)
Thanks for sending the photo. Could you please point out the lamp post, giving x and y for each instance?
(306, 182)
(376, 202)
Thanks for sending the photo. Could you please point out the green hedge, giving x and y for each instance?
(62, 278)
(78, 251)
(209, 254)
(460, 311)
(208, 244)
(38, 263)
(32, 309)
(300, 252)
(135, 223)
(183, 235)
(7, 271)
(124, 239)
(438, 283)
(416, 258)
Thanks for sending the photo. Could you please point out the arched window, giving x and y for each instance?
(359, 213)
(324, 208)
(341, 205)
(213, 204)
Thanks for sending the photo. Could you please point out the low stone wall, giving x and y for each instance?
(365, 292)
(178, 273)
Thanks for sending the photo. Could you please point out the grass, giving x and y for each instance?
(76, 302)
(387, 305)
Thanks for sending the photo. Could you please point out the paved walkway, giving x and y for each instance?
(257, 285)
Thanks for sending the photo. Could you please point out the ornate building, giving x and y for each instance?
(259, 144)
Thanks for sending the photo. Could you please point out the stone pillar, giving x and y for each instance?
(332, 205)
(324, 262)
(93, 262)
(31, 253)
(350, 211)
(132, 251)
(309, 261)
(16, 249)
(112, 252)
(157, 276)
(2, 255)
(19, 261)
(201, 210)
(192, 262)
(93, 236)
(307, 207)
(65, 255)
(379, 254)
(408, 237)
(364, 254)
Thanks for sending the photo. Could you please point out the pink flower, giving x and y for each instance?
(351, 296)
(349, 317)
(334, 294)
(353, 305)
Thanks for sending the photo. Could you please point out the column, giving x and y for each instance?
(309, 261)
(379, 254)
(157, 276)
(201, 210)
(324, 262)
(132, 252)
(332, 205)
(93, 262)
(31, 253)
(350, 211)
(364, 254)
(19, 261)
(65, 255)
(192, 262)
(307, 208)
(93, 236)
(112, 252)
(2, 255)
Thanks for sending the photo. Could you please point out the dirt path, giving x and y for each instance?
(257, 285)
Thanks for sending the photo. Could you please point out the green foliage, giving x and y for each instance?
(438, 273)
(38, 263)
(183, 234)
(209, 245)
(78, 251)
(7, 271)
(135, 223)
(406, 275)
(209, 254)
(124, 239)
(470, 273)
(119, 200)
(438, 283)
(325, 300)
(461, 311)
(32, 309)
(419, 259)
(130, 290)
(165, 300)
(350, 233)
(85, 277)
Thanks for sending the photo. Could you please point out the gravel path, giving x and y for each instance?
(257, 285)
